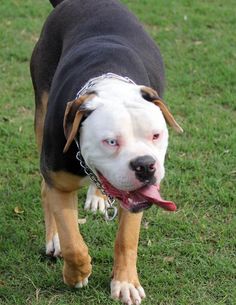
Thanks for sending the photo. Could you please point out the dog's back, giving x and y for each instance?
(75, 26)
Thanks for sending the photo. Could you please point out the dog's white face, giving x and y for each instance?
(124, 127)
(114, 135)
(123, 139)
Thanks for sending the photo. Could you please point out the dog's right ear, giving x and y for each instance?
(75, 110)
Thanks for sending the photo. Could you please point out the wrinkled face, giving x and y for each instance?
(125, 141)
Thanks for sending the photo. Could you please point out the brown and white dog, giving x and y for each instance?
(118, 120)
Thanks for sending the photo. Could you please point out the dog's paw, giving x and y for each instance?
(82, 283)
(127, 293)
(95, 201)
(53, 247)
(76, 276)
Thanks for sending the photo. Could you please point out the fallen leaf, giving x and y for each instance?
(18, 210)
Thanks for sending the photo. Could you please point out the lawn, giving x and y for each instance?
(185, 258)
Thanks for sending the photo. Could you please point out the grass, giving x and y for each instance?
(185, 258)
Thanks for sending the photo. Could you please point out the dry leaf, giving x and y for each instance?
(18, 210)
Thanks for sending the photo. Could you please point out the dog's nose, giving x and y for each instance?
(144, 168)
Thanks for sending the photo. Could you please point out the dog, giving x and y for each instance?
(98, 80)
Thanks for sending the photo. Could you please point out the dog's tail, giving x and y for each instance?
(54, 3)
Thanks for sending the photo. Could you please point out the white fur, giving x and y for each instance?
(122, 113)
(94, 202)
(127, 292)
(53, 246)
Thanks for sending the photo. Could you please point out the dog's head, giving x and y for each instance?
(123, 138)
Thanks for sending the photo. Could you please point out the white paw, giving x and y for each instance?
(127, 292)
(53, 247)
(93, 202)
(82, 283)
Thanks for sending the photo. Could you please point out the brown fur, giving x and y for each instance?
(126, 246)
(72, 118)
(63, 206)
(40, 114)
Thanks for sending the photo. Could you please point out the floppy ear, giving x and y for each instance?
(152, 96)
(73, 115)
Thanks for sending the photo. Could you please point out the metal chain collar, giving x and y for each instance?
(110, 210)
(93, 81)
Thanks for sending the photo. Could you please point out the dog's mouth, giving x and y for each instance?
(140, 199)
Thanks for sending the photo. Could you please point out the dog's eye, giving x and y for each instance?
(155, 136)
(111, 142)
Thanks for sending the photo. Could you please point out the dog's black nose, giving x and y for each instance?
(144, 168)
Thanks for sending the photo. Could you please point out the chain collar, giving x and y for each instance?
(93, 81)
(110, 210)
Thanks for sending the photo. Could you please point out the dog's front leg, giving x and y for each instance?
(77, 267)
(95, 200)
(125, 284)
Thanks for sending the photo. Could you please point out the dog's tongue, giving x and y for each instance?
(151, 194)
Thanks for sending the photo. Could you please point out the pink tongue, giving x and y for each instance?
(151, 193)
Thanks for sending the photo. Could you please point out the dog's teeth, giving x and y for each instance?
(140, 202)
(130, 200)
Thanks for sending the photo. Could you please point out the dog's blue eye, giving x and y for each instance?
(111, 142)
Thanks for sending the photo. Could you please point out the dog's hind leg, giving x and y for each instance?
(125, 284)
(40, 113)
(52, 240)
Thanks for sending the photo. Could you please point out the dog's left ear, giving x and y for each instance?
(75, 110)
(152, 96)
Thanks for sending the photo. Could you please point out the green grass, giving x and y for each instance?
(185, 258)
